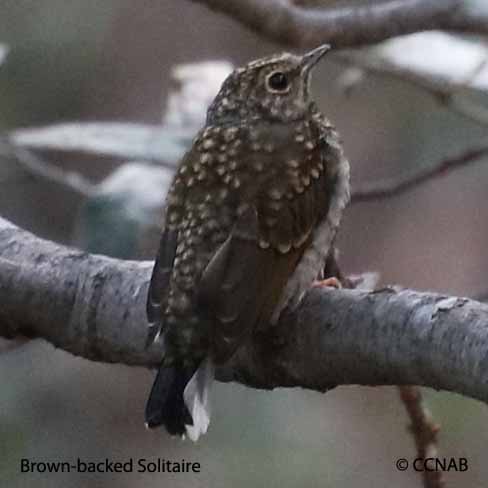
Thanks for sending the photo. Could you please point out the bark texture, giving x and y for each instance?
(94, 307)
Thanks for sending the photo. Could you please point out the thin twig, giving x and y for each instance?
(424, 431)
(38, 167)
(396, 186)
(441, 92)
(368, 192)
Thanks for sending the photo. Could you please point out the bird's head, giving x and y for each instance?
(273, 88)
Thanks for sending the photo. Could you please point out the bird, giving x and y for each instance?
(249, 219)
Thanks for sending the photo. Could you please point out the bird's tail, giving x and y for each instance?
(179, 399)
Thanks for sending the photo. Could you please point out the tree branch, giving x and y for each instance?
(351, 26)
(444, 93)
(397, 186)
(94, 306)
(424, 431)
(40, 168)
(114, 139)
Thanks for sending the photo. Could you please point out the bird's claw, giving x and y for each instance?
(332, 282)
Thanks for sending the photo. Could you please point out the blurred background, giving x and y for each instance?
(112, 61)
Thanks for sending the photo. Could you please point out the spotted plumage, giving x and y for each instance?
(249, 220)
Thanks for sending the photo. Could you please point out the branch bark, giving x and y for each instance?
(94, 306)
(351, 26)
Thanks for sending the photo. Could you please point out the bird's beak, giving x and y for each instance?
(310, 59)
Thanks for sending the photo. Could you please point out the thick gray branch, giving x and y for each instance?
(352, 26)
(93, 306)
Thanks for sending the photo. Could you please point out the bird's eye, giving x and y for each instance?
(278, 82)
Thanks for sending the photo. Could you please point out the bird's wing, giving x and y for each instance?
(163, 266)
(334, 191)
(244, 280)
(241, 284)
(159, 284)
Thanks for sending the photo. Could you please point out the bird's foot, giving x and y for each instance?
(332, 282)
